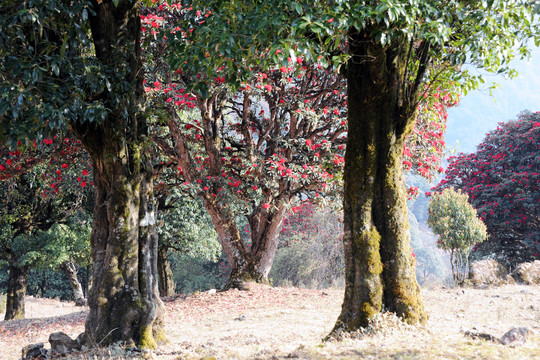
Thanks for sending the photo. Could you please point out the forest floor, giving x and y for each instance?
(278, 323)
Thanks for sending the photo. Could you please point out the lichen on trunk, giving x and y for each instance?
(379, 266)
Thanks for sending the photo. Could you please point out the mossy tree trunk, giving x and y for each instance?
(166, 280)
(379, 266)
(16, 290)
(247, 262)
(124, 297)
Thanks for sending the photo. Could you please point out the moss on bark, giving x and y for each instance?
(379, 271)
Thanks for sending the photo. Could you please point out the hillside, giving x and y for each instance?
(276, 323)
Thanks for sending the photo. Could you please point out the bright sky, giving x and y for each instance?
(478, 112)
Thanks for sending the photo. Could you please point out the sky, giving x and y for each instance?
(478, 112)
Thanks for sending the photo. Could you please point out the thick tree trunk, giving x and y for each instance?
(379, 266)
(248, 264)
(124, 297)
(69, 269)
(16, 291)
(166, 281)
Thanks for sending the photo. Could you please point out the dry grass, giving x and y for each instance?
(276, 323)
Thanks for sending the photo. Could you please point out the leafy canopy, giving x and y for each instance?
(455, 221)
(502, 179)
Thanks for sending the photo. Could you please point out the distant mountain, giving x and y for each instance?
(478, 112)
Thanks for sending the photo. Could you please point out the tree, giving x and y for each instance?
(250, 151)
(458, 226)
(502, 181)
(54, 77)
(282, 115)
(40, 189)
(394, 52)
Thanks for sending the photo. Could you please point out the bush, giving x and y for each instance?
(459, 228)
(310, 252)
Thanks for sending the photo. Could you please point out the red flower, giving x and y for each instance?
(266, 205)
(85, 172)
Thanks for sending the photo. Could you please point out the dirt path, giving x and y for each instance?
(276, 323)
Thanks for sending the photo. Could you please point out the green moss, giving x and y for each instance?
(19, 315)
(370, 251)
(146, 338)
(159, 335)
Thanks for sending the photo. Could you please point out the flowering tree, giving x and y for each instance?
(455, 221)
(279, 138)
(391, 55)
(276, 138)
(77, 65)
(503, 183)
(40, 187)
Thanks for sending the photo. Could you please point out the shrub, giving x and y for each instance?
(455, 221)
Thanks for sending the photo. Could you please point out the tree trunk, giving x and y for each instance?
(379, 266)
(69, 269)
(124, 297)
(16, 291)
(166, 281)
(247, 263)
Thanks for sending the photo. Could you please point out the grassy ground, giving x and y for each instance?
(276, 323)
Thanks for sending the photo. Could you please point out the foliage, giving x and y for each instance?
(310, 253)
(194, 273)
(48, 284)
(47, 78)
(458, 226)
(503, 183)
(185, 227)
(42, 187)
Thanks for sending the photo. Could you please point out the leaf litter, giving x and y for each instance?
(279, 323)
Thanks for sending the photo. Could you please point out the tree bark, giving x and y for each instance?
(379, 266)
(248, 264)
(69, 269)
(124, 297)
(166, 281)
(16, 291)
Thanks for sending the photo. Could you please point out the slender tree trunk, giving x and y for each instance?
(124, 296)
(166, 280)
(69, 269)
(16, 291)
(379, 266)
